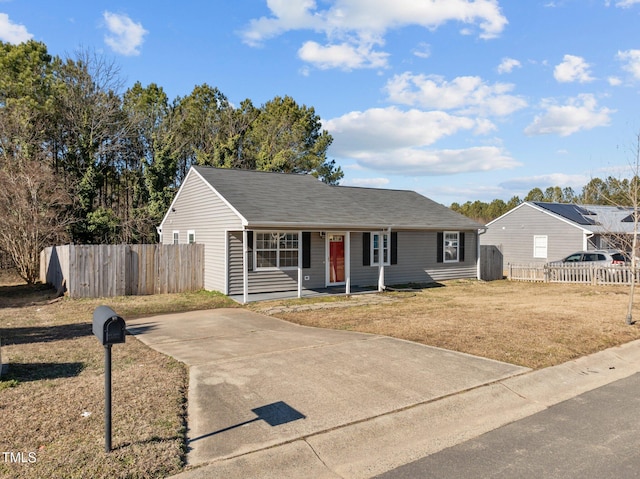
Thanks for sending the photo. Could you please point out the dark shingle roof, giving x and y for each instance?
(265, 199)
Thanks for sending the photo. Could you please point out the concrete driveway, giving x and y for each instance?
(257, 381)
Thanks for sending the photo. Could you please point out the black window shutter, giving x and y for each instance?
(306, 249)
(250, 250)
(394, 247)
(440, 258)
(461, 246)
(366, 249)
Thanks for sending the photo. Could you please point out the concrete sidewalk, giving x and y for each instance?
(269, 398)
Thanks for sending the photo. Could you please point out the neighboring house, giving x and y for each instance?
(267, 232)
(538, 232)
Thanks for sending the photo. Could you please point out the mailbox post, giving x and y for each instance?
(110, 329)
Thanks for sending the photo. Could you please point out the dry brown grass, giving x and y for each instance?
(52, 399)
(529, 324)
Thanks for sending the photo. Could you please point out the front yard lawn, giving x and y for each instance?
(529, 324)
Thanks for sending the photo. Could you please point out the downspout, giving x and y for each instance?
(478, 272)
(585, 245)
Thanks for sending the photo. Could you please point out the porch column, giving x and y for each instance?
(381, 258)
(299, 264)
(347, 263)
(245, 267)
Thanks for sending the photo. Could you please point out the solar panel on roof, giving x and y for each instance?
(574, 213)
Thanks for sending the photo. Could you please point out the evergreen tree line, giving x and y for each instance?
(81, 161)
(610, 191)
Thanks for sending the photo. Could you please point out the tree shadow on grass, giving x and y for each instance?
(21, 295)
(44, 334)
(23, 372)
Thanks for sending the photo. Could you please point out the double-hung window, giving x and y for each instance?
(276, 250)
(451, 247)
(380, 249)
(176, 237)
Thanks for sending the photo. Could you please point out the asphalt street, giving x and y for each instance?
(593, 435)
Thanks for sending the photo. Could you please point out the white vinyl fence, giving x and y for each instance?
(568, 273)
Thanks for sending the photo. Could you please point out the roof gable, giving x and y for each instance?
(270, 199)
(601, 219)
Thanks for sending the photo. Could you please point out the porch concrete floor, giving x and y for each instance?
(306, 293)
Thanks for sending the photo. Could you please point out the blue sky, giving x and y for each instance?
(456, 99)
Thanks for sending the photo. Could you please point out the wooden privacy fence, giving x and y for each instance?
(569, 273)
(93, 271)
(491, 263)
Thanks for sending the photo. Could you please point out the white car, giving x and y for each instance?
(600, 256)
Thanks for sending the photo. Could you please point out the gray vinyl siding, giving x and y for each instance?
(276, 280)
(417, 260)
(513, 235)
(199, 209)
(317, 272)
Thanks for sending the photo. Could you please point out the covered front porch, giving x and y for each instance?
(285, 264)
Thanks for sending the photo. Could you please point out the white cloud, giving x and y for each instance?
(468, 95)
(366, 182)
(631, 59)
(390, 128)
(423, 50)
(415, 161)
(572, 69)
(286, 16)
(468, 191)
(507, 65)
(125, 36)
(626, 3)
(12, 32)
(614, 81)
(344, 56)
(361, 24)
(580, 113)
(544, 181)
(398, 141)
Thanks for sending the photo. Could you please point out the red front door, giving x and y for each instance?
(336, 259)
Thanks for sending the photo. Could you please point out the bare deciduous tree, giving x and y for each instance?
(625, 195)
(32, 209)
(33, 204)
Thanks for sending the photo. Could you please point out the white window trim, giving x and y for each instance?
(382, 234)
(546, 246)
(444, 247)
(189, 234)
(275, 268)
(175, 240)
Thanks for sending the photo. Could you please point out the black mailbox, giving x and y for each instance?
(108, 327)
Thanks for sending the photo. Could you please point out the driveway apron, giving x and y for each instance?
(256, 381)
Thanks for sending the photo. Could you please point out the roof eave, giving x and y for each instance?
(352, 227)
